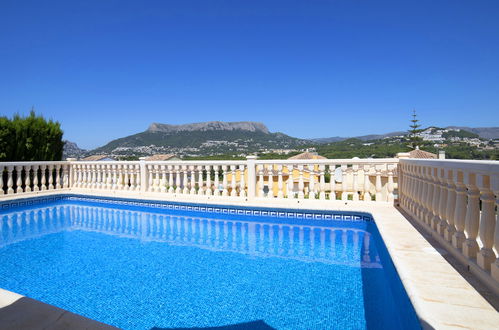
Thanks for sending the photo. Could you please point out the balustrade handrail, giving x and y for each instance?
(195, 162)
(365, 161)
(50, 162)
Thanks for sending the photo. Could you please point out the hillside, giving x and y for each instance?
(207, 138)
(490, 133)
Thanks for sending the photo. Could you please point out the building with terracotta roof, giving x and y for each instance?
(421, 154)
(98, 158)
(162, 157)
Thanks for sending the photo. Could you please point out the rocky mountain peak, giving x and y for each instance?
(210, 126)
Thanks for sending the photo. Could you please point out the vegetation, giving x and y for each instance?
(363, 149)
(414, 139)
(30, 138)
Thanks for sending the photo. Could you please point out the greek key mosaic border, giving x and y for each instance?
(244, 211)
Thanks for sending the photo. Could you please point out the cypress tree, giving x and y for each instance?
(30, 138)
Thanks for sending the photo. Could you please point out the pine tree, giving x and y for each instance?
(414, 138)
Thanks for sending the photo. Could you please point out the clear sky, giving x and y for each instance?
(106, 69)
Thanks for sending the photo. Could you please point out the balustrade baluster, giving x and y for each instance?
(458, 237)
(58, 176)
(332, 182)
(344, 182)
(115, 177)
(27, 178)
(233, 189)
(35, 178)
(301, 183)
(119, 176)
(185, 183)
(65, 176)
(225, 192)
(42, 177)
(177, 179)
(260, 181)
(270, 182)
(208, 191)
(50, 170)
(435, 220)
(367, 183)
(150, 177)
(171, 190)
(494, 183)
(390, 184)
(242, 182)
(201, 189)
(126, 177)
(162, 182)
(442, 208)
(378, 186)
(280, 193)
(312, 186)
(192, 170)
(19, 181)
(290, 194)
(157, 179)
(429, 198)
(322, 182)
(109, 176)
(423, 193)
(355, 184)
(451, 206)
(486, 256)
(470, 246)
(216, 190)
(138, 182)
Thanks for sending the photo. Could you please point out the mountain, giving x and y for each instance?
(207, 138)
(71, 150)
(490, 133)
(362, 137)
(210, 126)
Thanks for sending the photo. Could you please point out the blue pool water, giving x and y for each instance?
(139, 267)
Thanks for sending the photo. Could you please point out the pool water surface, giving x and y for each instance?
(140, 267)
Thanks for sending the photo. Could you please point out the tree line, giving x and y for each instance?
(30, 138)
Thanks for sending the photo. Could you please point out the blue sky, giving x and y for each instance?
(106, 69)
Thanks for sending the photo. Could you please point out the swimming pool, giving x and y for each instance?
(139, 265)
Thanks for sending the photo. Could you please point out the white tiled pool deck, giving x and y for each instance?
(442, 297)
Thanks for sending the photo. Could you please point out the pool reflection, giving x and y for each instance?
(349, 244)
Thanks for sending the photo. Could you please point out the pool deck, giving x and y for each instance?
(444, 295)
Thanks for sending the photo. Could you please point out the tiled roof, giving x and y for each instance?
(307, 155)
(95, 157)
(161, 157)
(417, 153)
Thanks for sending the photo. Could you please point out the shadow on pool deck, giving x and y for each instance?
(27, 313)
(258, 325)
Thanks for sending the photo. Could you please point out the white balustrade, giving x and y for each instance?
(457, 201)
(273, 179)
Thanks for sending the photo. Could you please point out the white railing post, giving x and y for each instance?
(143, 174)
(251, 179)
